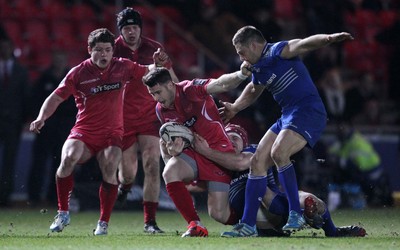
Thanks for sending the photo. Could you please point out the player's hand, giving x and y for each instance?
(36, 126)
(162, 59)
(245, 67)
(338, 37)
(175, 147)
(200, 145)
(226, 112)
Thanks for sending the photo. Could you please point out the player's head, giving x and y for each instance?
(129, 22)
(129, 16)
(237, 135)
(249, 43)
(160, 86)
(101, 47)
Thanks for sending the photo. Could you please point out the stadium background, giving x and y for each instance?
(197, 35)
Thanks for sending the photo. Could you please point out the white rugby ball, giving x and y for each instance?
(170, 130)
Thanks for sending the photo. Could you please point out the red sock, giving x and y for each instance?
(233, 219)
(182, 200)
(108, 195)
(64, 186)
(149, 209)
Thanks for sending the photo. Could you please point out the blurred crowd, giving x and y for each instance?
(358, 81)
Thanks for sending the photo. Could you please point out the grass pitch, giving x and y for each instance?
(29, 229)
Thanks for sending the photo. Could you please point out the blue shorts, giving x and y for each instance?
(308, 121)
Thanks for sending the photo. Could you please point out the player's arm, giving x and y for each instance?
(297, 47)
(229, 81)
(248, 96)
(231, 161)
(48, 108)
(161, 59)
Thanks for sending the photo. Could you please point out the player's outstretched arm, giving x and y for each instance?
(48, 108)
(249, 95)
(297, 47)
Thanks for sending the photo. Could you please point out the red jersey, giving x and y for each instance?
(196, 109)
(98, 94)
(139, 104)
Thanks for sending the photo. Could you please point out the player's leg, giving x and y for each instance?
(255, 187)
(287, 143)
(177, 171)
(257, 181)
(150, 149)
(109, 159)
(317, 215)
(73, 151)
(127, 169)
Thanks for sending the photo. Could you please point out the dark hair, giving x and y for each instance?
(156, 76)
(101, 35)
(248, 34)
(129, 16)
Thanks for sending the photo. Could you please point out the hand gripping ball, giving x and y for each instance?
(170, 130)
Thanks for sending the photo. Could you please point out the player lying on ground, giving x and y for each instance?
(275, 208)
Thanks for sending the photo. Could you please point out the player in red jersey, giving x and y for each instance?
(191, 103)
(97, 85)
(140, 121)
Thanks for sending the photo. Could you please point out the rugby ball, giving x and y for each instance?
(170, 130)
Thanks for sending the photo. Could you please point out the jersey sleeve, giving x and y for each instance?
(196, 89)
(66, 88)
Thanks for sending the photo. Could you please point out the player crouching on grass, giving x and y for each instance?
(274, 211)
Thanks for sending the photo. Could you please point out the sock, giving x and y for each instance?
(279, 205)
(64, 186)
(287, 178)
(108, 195)
(255, 189)
(182, 200)
(328, 226)
(149, 209)
(233, 219)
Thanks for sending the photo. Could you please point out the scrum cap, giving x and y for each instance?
(129, 16)
(234, 128)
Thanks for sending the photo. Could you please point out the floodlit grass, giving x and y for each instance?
(29, 229)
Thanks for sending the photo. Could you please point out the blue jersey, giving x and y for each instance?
(287, 80)
(290, 84)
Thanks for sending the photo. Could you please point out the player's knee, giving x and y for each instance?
(218, 215)
(279, 155)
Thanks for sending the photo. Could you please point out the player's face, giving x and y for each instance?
(163, 94)
(246, 53)
(131, 34)
(101, 54)
(237, 142)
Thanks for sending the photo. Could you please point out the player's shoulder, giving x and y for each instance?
(148, 42)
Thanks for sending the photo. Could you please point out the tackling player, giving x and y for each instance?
(97, 85)
(278, 68)
(274, 210)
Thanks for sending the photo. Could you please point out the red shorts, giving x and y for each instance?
(133, 129)
(96, 143)
(208, 170)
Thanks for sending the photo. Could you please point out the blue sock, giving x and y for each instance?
(279, 205)
(287, 177)
(328, 226)
(255, 188)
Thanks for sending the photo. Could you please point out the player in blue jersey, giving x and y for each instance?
(278, 68)
(274, 211)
